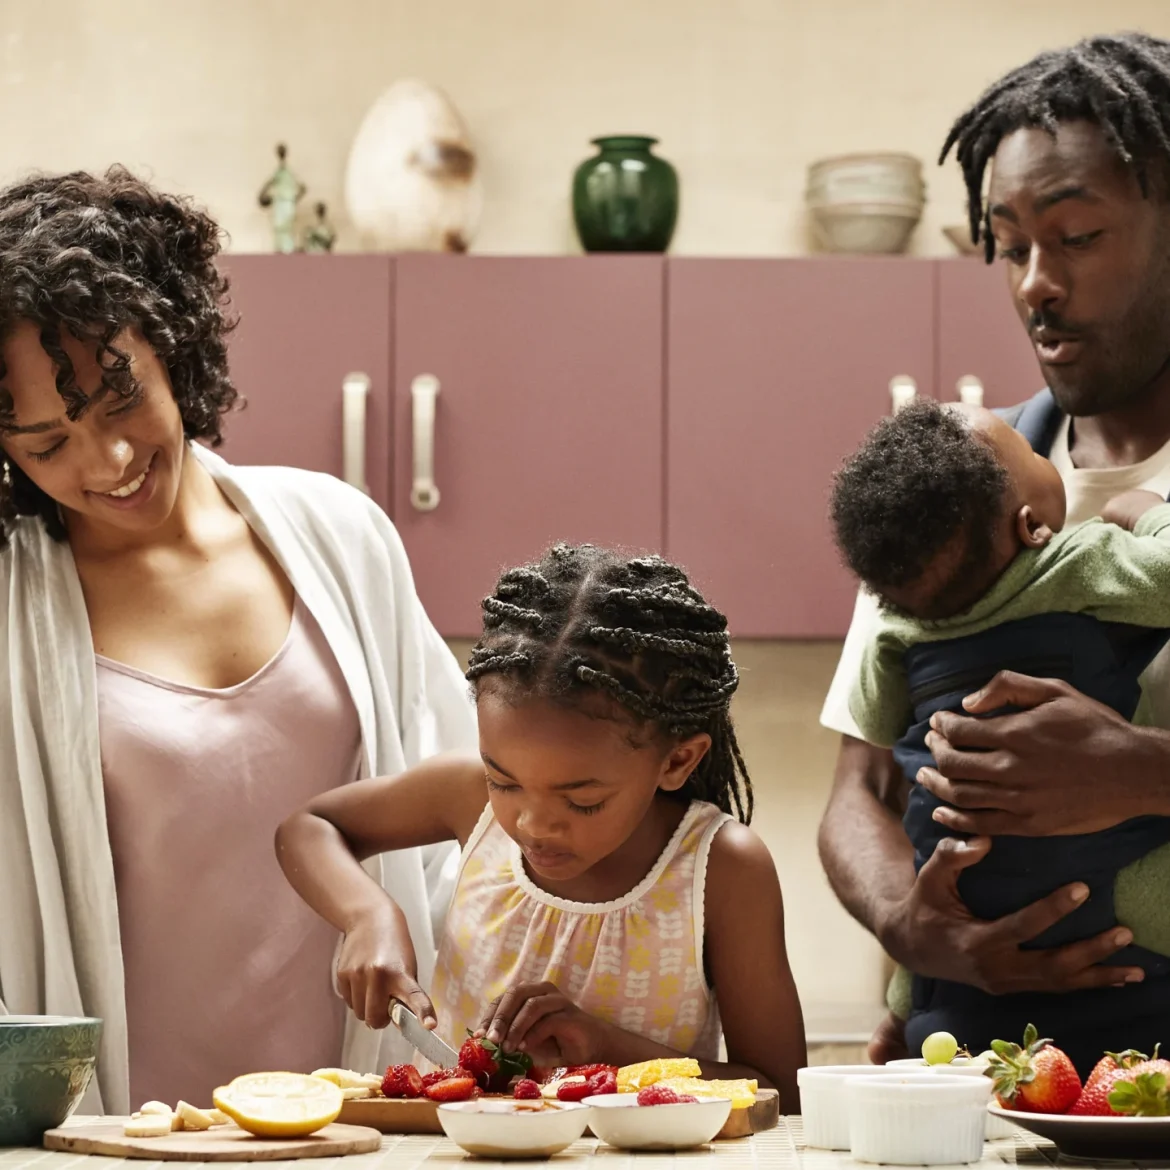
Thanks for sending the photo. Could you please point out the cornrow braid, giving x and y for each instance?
(585, 621)
(1120, 83)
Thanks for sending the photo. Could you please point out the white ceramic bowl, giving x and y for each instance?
(497, 1129)
(917, 1119)
(867, 178)
(618, 1120)
(996, 1127)
(822, 1101)
(879, 228)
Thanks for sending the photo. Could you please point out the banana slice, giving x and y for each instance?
(155, 1107)
(150, 1125)
(356, 1094)
(193, 1118)
(218, 1118)
(331, 1074)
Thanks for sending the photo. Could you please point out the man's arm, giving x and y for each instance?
(923, 923)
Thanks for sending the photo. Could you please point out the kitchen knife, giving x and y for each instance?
(423, 1040)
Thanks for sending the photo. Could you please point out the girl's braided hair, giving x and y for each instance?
(92, 256)
(586, 622)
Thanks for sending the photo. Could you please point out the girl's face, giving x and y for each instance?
(569, 788)
(118, 466)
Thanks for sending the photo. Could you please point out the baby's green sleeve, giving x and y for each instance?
(880, 701)
(1124, 576)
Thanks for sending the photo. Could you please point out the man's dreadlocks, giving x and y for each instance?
(1121, 83)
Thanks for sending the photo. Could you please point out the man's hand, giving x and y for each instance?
(934, 934)
(1066, 764)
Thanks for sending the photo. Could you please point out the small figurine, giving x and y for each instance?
(319, 236)
(282, 193)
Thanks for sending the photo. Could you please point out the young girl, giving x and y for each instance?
(609, 907)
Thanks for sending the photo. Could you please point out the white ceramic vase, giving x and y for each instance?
(412, 181)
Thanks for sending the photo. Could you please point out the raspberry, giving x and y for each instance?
(658, 1095)
(687, 1099)
(573, 1091)
(526, 1091)
(602, 1083)
(402, 1080)
(452, 1089)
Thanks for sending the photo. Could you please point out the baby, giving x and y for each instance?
(951, 519)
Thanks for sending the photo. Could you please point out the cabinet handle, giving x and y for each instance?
(903, 391)
(355, 391)
(970, 390)
(424, 494)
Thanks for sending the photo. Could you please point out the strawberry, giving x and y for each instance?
(659, 1095)
(526, 1091)
(444, 1074)
(1138, 1093)
(493, 1068)
(402, 1080)
(452, 1089)
(1094, 1098)
(475, 1057)
(1035, 1078)
(573, 1091)
(601, 1083)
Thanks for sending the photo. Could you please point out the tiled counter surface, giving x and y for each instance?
(779, 1149)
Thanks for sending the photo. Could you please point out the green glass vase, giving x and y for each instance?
(625, 198)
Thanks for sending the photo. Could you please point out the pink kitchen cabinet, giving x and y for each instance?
(548, 421)
(775, 370)
(306, 324)
(981, 336)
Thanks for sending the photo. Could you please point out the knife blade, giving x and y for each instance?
(423, 1040)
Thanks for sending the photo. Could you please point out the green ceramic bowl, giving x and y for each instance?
(46, 1064)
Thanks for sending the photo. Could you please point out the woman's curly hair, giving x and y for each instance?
(94, 256)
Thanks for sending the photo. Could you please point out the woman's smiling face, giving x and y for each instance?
(118, 465)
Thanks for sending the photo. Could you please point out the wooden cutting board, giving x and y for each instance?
(422, 1116)
(224, 1143)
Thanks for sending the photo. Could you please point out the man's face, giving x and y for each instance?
(1088, 261)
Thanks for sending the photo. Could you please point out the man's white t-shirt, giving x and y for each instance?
(1088, 491)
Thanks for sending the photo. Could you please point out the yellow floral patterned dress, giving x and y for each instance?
(636, 962)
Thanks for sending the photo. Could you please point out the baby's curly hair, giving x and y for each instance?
(919, 480)
(93, 256)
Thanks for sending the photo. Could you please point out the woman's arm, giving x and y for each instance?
(748, 964)
(321, 848)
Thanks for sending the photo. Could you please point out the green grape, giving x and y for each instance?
(939, 1048)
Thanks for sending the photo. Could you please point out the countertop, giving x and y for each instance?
(779, 1149)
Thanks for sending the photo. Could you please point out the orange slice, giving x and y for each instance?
(280, 1105)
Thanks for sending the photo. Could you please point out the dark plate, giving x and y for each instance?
(1126, 1138)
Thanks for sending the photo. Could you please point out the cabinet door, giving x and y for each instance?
(305, 323)
(980, 335)
(548, 421)
(776, 369)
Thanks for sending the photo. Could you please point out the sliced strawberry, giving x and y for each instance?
(452, 1089)
(573, 1091)
(444, 1074)
(474, 1057)
(402, 1080)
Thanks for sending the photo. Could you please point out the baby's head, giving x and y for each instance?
(937, 502)
(601, 681)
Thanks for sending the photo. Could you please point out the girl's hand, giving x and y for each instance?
(540, 1020)
(377, 965)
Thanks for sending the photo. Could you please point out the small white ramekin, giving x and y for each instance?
(917, 1119)
(996, 1127)
(822, 1101)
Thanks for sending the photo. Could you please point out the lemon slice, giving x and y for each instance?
(280, 1105)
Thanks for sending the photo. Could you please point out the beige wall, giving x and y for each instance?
(743, 94)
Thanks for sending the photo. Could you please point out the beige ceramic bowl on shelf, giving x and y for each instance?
(867, 228)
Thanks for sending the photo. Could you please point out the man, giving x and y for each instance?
(1078, 147)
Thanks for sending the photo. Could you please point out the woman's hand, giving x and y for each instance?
(377, 965)
(540, 1020)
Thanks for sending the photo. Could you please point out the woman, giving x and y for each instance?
(188, 652)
